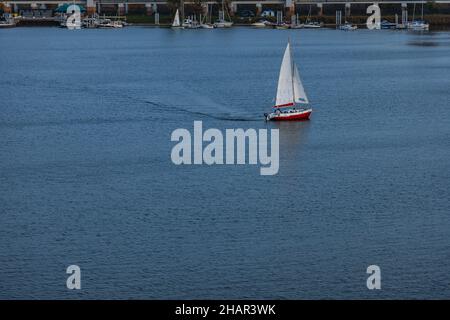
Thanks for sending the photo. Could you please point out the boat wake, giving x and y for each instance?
(195, 103)
(72, 122)
(218, 116)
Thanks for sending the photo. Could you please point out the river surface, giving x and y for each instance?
(86, 176)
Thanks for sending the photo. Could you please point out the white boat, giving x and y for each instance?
(90, 23)
(118, 24)
(109, 24)
(417, 25)
(7, 21)
(5, 24)
(311, 24)
(282, 26)
(205, 21)
(388, 25)
(298, 26)
(259, 24)
(191, 23)
(222, 22)
(206, 26)
(291, 101)
(295, 23)
(347, 27)
(176, 24)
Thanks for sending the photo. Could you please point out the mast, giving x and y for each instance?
(182, 10)
(422, 11)
(210, 14)
(308, 18)
(292, 71)
(223, 12)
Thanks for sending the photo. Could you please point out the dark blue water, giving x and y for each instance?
(86, 176)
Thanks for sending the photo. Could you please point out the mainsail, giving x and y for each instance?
(176, 20)
(285, 91)
(290, 89)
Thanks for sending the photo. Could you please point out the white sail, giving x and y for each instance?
(285, 91)
(176, 20)
(299, 91)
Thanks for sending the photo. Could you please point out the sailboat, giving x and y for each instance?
(176, 21)
(7, 21)
(347, 26)
(291, 102)
(280, 21)
(221, 22)
(311, 24)
(191, 23)
(204, 23)
(295, 22)
(418, 25)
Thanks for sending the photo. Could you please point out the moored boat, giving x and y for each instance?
(191, 23)
(4, 24)
(388, 25)
(291, 101)
(347, 27)
(90, 23)
(222, 22)
(295, 23)
(309, 24)
(417, 25)
(312, 25)
(205, 21)
(282, 26)
(7, 21)
(206, 26)
(297, 26)
(261, 24)
(108, 24)
(176, 24)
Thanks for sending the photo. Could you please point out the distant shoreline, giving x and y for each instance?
(436, 21)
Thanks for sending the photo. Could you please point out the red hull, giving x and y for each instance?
(293, 117)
